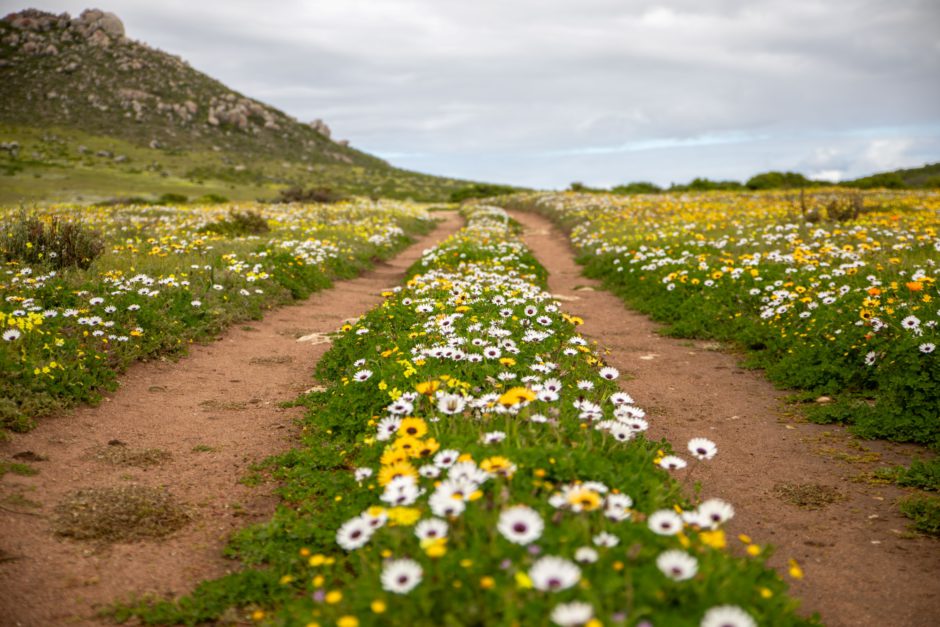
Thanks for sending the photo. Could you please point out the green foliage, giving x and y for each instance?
(55, 242)
(639, 187)
(924, 475)
(925, 177)
(779, 180)
(924, 511)
(16, 468)
(480, 190)
(706, 185)
(170, 198)
(238, 224)
(324, 195)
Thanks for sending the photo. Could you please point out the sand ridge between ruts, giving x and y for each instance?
(861, 568)
(194, 427)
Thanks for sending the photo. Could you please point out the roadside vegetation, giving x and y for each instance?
(831, 292)
(88, 290)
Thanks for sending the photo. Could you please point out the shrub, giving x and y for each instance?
(638, 187)
(238, 223)
(480, 190)
(924, 511)
(51, 241)
(314, 194)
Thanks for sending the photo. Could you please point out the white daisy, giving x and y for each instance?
(431, 529)
(621, 398)
(444, 505)
(927, 347)
(665, 522)
(727, 616)
(354, 534)
(446, 458)
(714, 512)
(910, 323)
(551, 574)
(401, 576)
(572, 614)
(520, 525)
(387, 427)
(606, 539)
(451, 404)
(672, 462)
(429, 471)
(493, 437)
(362, 375)
(363, 473)
(11, 334)
(702, 448)
(585, 555)
(677, 565)
(609, 373)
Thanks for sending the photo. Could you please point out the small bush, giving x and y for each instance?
(211, 199)
(314, 194)
(924, 511)
(172, 199)
(480, 190)
(238, 223)
(50, 241)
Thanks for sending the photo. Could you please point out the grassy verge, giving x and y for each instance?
(474, 463)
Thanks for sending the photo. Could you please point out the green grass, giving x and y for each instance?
(56, 172)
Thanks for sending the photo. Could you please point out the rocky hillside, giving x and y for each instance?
(84, 75)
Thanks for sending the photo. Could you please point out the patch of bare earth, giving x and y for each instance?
(170, 445)
(798, 486)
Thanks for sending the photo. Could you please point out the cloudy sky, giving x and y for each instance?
(545, 92)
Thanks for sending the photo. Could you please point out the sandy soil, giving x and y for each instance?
(862, 567)
(215, 413)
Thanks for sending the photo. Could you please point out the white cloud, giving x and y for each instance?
(546, 91)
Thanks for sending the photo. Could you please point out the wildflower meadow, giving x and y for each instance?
(475, 462)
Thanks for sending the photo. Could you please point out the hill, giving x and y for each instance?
(88, 112)
(924, 177)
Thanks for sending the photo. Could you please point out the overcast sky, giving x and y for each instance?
(545, 92)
